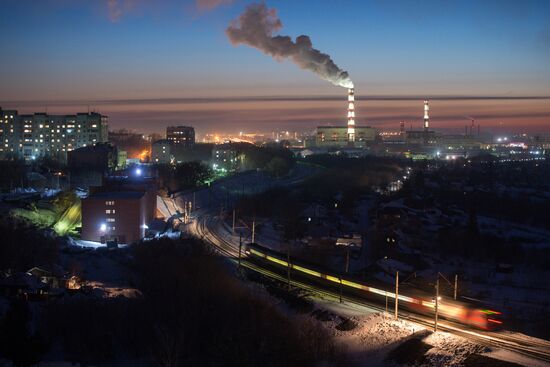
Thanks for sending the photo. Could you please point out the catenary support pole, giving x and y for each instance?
(288, 265)
(396, 294)
(233, 227)
(240, 247)
(456, 286)
(347, 259)
(254, 230)
(436, 302)
(340, 279)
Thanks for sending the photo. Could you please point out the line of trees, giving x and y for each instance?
(183, 176)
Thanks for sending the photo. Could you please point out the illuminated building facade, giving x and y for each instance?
(115, 216)
(121, 210)
(224, 157)
(40, 134)
(181, 135)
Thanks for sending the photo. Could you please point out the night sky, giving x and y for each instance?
(148, 64)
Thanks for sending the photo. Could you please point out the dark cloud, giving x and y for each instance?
(153, 101)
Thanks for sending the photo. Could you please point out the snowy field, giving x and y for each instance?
(377, 335)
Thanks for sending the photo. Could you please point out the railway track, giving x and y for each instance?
(206, 227)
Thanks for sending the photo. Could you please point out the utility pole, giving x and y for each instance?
(254, 230)
(233, 228)
(436, 303)
(386, 302)
(396, 293)
(456, 285)
(288, 265)
(340, 279)
(194, 201)
(240, 246)
(347, 260)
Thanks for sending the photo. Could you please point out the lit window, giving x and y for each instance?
(111, 220)
(108, 211)
(110, 202)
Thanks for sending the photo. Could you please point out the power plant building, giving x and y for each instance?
(338, 136)
(424, 136)
(351, 135)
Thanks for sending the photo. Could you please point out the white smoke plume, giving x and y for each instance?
(211, 4)
(114, 10)
(256, 26)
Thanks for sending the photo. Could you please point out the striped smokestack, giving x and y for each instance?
(351, 115)
(426, 115)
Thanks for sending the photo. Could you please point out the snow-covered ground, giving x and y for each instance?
(377, 334)
(530, 236)
(87, 244)
(92, 244)
(104, 271)
(508, 356)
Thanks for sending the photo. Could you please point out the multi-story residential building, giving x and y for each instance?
(181, 135)
(40, 134)
(120, 216)
(121, 210)
(224, 157)
(161, 152)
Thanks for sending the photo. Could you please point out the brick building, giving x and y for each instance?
(121, 210)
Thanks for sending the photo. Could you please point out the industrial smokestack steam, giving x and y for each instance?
(256, 27)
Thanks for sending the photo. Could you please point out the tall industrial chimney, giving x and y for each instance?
(426, 115)
(402, 128)
(351, 116)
